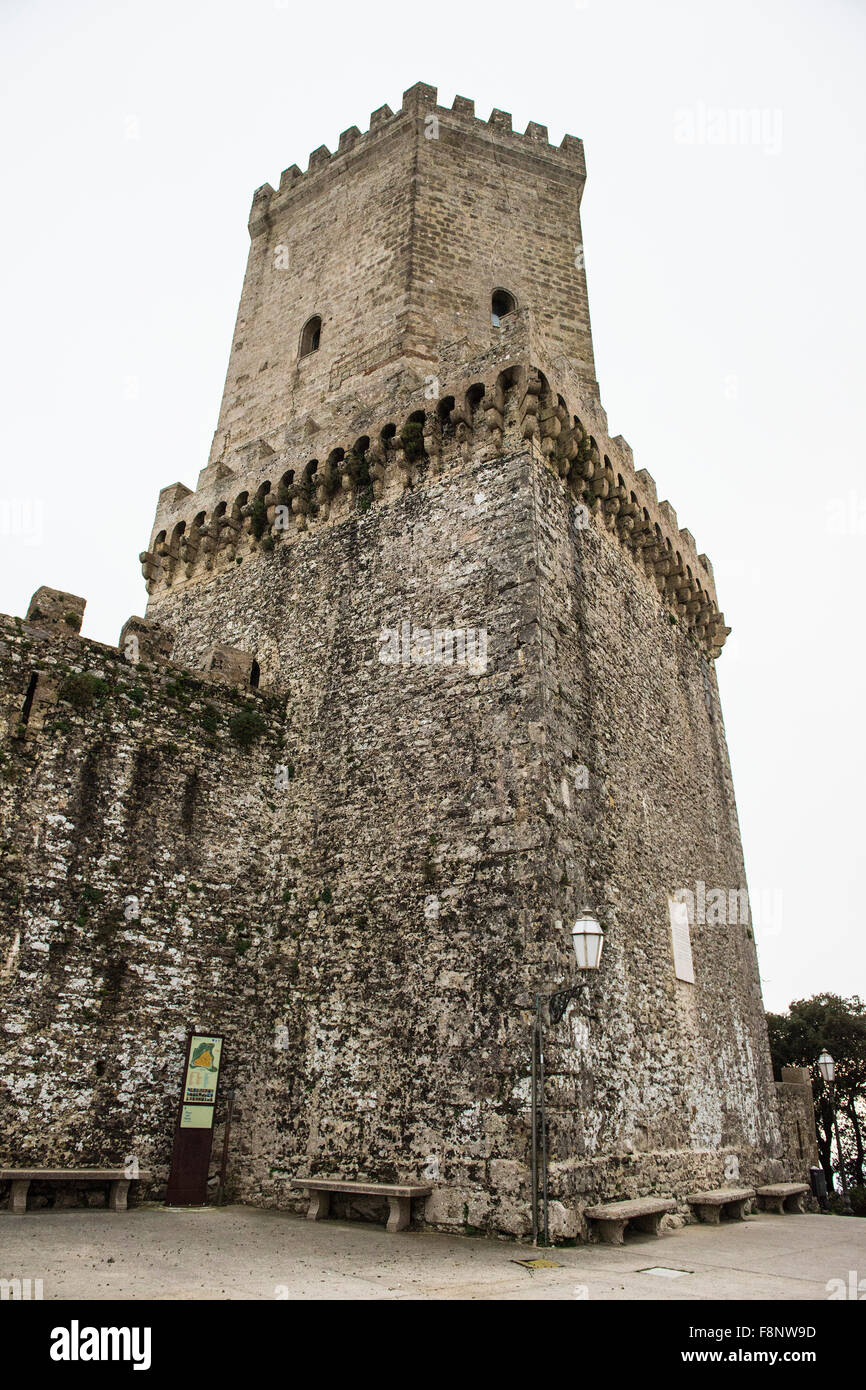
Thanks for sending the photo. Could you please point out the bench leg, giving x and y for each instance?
(773, 1204)
(117, 1191)
(320, 1205)
(649, 1223)
(735, 1211)
(611, 1232)
(18, 1196)
(708, 1214)
(399, 1211)
(794, 1203)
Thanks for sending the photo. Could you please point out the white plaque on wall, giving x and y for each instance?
(682, 942)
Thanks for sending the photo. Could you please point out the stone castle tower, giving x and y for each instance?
(427, 667)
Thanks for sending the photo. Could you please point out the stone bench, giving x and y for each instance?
(729, 1202)
(116, 1179)
(399, 1197)
(613, 1217)
(782, 1196)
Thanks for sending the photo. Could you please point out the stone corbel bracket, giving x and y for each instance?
(509, 404)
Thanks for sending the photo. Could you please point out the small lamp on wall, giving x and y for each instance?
(587, 938)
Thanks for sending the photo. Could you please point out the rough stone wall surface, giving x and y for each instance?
(394, 861)
(130, 870)
(648, 1075)
(397, 242)
(336, 247)
(797, 1120)
(648, 1061)
(404, 1046)
(364, 870)
(526, 198)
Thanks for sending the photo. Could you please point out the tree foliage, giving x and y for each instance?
(797, 1038)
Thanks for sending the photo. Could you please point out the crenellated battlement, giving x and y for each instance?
(419, 104)
(276, 494)
(382, 259)
(50, 656)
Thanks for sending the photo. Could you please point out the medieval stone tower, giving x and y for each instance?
(427, 668)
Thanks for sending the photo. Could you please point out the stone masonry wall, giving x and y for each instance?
(363, 870)
(797, 1118)
(131, 833)
(367, 898)
(397, 241)
(377, 931)
(652, 1080)
(335, 246)
(664, 1077)
(407, 822)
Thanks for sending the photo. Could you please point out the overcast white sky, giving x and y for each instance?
(726, 281)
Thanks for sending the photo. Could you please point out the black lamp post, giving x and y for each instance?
(827, 1068)
(587, 938)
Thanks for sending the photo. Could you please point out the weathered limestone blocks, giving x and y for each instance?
(370, 999)
(230, 665)
(54, 610)
(129, 852)
(796, 1112)
(142, 640)
(490, 411)
(458, 1207)
(419, 104)
(151, 566)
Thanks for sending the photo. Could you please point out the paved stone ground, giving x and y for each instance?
(248, 1253)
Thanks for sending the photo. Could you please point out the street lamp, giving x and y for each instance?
(827, 1068)
(587, 939)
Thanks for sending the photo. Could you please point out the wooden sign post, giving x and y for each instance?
(193, 1131)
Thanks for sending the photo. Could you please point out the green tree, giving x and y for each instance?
(797, 1038)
